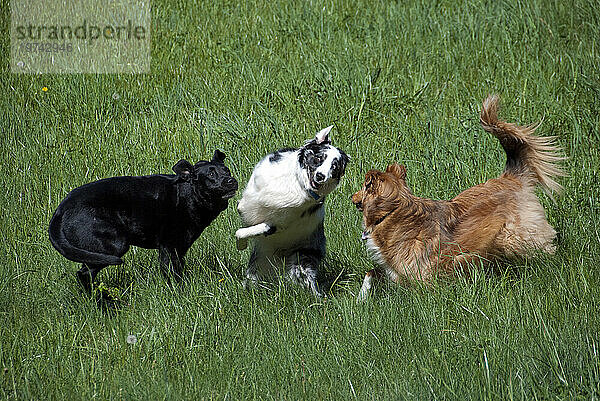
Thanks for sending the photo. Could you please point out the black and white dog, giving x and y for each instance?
(282, 208)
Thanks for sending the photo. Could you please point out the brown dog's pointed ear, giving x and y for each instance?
(397, 169)
(368, 179)
(183, 169)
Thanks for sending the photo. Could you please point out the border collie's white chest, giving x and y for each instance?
(275, 193)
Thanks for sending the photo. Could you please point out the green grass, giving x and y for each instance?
(401, 82)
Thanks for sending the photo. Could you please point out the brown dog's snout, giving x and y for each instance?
(357, 199)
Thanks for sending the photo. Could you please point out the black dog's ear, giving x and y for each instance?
(183, 169)
(218, 157)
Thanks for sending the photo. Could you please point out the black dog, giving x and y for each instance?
(97, 222)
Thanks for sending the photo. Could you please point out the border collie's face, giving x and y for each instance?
(324, 164)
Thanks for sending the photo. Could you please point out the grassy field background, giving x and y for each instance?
(401, 81)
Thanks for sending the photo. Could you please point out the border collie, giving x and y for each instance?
(414, 238)
(283, 209)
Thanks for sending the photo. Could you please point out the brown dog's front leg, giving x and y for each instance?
(371, 278)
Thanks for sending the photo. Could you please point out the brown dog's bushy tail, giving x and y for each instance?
(528, 156)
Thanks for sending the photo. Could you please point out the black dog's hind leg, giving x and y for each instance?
(87, 274)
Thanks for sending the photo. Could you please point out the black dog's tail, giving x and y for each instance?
(65, 248)
(528, 156)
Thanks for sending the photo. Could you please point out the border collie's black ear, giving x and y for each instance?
(345, 157)
(344, 161)
(183, 169)
(323, 135)
(218, 157)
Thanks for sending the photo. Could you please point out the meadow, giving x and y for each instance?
(401, 81)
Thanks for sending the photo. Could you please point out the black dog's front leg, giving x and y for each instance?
(174, 257)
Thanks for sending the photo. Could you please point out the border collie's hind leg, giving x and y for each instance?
(304, 270)
(87, 274)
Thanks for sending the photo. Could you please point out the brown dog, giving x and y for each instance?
(415, 238)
